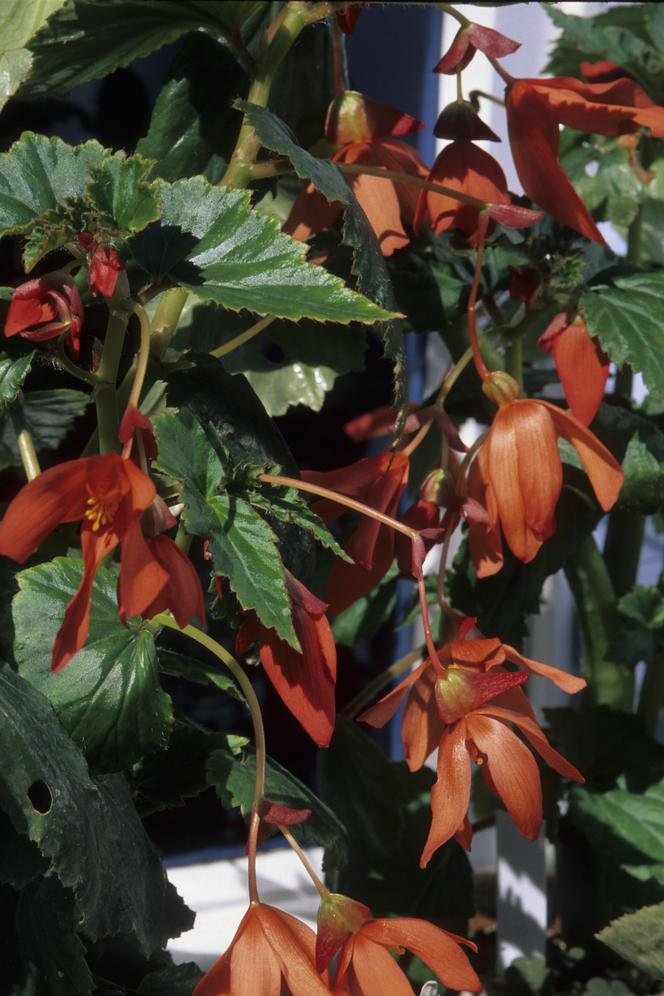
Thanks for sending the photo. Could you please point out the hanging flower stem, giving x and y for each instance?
(239, 340)
(394, 671)
(259, 732)
(323, 892)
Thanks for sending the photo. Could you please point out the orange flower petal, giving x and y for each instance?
(182, 593)
(142, 578)
(383, 711)
(583, 370)
(294, 945)
(255, 967)
(513, 771)
(373, 969)
(421, 728)
(451, 793)
(537, 738)
(570, 683)
(437, 948)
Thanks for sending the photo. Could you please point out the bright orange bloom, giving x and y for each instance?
(45, 308)
(465, 705)
(378, 481)
(582, 366)
(305, 680)
(271, 952)
(464, 167)
(535, 109)
(108, 495)
(368, 133)
(517, 476)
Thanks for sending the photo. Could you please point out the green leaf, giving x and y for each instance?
(122, 195)
(288, 506)
(117, 880)
(174, 980)
(224, 251)
(20, 860)
(108, 697)
(234, 778)
(643, 490)
(627, 317)
(47, 415)
(52, 956)
(242, 544)
(363, 619)
(167, 779)
(528, 976)
(639, 938)
(607, 987)
(181, 666)
(90, 39)
(286, 364)
(627, 825)
(38, 174)
(603, 177)
(19, 23)
(12, 374)
(368, 263)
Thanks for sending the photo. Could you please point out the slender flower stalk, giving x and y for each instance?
(26, 447)
(322, 890)
(413, 181)
(239, 340)
(480, 365)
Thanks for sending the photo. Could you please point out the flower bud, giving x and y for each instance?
(338, 918)
(354, 117)
(500, 387)
(460, 121)
(464, 689)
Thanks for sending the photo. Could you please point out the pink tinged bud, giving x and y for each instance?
(464, 689)
(460, 121)
(435, 487)
(513, 216)
(354, 117)
(468, 40)
(272, 812)
(338, 918)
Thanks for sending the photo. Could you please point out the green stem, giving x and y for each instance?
(105, 392)
(26, 447)
(239, 340)
(609, 683)
(514, 360)
(323, 892)
(651, 698)
(71, 368)
(259, 732)
(166, 318)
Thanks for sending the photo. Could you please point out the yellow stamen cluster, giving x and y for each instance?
(100, 513)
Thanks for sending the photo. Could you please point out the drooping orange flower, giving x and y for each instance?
(466, 705)
(45, 308)
(108, 495)
(470, 39)
(535, 109)
(271, 952)
(378, 481)
(582, 366)
(304, 680)
(517, 474)
(366, 965)
(465, 167)
(368, 134)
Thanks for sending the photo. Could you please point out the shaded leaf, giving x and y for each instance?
(363, 619)
(639, 938)
(19, 23)
(174, 980)
(234, 778)
(12, 374)
(108, 697)
(180, 666)
(47, 415)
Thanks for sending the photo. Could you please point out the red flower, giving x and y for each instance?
(535, 109)
(271, 952)
(103, 272)
(305, 680)
(377, 481)
(582, 366)
(468, 40)
(603, 71)
(367, 132)
(517, 474)
(108, 495)
(366, 965)
(467, 709)
(466, 168)
(45, 308)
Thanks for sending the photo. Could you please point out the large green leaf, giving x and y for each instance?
(627, 316)
(52, 956)
(12, 374)
(174, 980)
(19, 23)
(91, 38)
(368, 263)
(603, 176)
(234, 780)
(211, 242)
(286, 364)
(87, 829)
(108, 697)
(47, 415)
(639, 938)
(242, 544)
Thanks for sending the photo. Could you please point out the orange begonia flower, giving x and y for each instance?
(517, 475)
(304, 680)
(108, 495)
(45, 308)
(378, 481)
(582, 366)
(464, 167)
(465, 707)
(367, 132)
(535, 109)
(271, 952)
